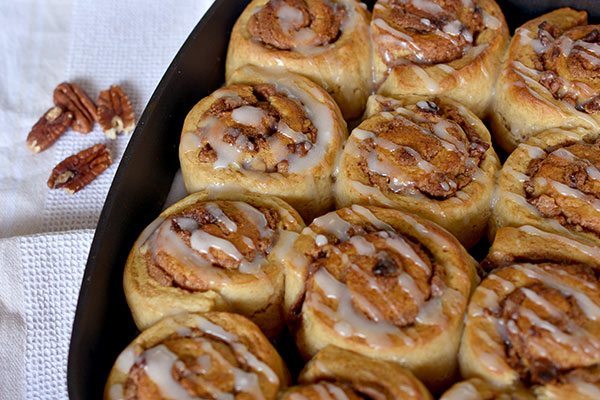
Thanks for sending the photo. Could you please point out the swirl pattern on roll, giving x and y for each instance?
(206, 254)
(288, 24)
(272, 132)
(477, 389)
(535, 319)
(425, 155)
(553, 182)
(335, 373)
(191, 356)
(377, 281)
(552, 70)
(313, 38)
(447, 47)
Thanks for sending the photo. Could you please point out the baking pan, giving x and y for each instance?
(103, 325)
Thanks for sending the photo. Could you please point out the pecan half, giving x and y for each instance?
(77, 171)
(115, 113)
(73, 98)
(48, 129)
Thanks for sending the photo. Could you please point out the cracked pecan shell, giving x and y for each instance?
(77, 171)
(115, 113)
(73, 98)
(48, 129)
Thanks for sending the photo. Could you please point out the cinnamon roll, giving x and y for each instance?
(275, 133)
(535, 319)
(477, 389)
(426, 155)
(335, 373)
(432, 47)
(550, 78)
(206, 253)
(324, 40)
(383, 283)
(198, 356)
(552, 182)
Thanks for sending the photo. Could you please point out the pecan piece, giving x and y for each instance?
(73, 98)
(77, 171)
(115, 113)
(592, 106)
(48, 129)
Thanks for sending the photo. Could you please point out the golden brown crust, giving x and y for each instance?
(197, 355)
(552, 182)
(426, 155)
(314, 38)
(208, 253)
(271, 132)
(477, 389)
(452, 48)
(382, 283)
(334, 370)
(534, 320)
(549, 78)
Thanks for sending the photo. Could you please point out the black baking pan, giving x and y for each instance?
(103, 325)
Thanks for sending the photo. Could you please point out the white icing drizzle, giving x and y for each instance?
(348, 322)
(248, 115)
(490, 21)
(198, 256)
(214, 210)
(371, 218)
(533, 151)
(333, 224)
(462, 391)
(126, 360)
(210, 131)
(240, 349)
(159, 365)
(587, 306)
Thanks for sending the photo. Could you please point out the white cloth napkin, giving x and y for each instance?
(44, 42)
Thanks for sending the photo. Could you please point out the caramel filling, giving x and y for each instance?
(256, 128)
(290, 24)
(198, 247)
(544, 326)
(565, 185)
(425, 32)
(570, 64)
(425, 148)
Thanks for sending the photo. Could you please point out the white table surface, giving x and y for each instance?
(45, 235)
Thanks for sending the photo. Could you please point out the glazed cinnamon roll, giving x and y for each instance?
(198, 356)
(552, 182)
(335, 373)
(437, 47)
(425, 155)
(535, 319)
(477, 389)
(324, 40)
(274, 133)
(550, 78)
(205, 253)
(382, 283)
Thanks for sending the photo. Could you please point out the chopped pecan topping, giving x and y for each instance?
(115, 113)
(591, 106)
(77, 171)
(73, 98)
(48, 129)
